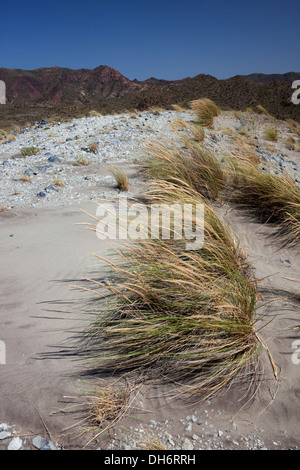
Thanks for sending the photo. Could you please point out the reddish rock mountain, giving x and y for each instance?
(65, 86)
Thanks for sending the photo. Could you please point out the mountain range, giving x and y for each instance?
(105, 89)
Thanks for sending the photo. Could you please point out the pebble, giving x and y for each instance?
(15, 444)
(41, 443)
(187, 445)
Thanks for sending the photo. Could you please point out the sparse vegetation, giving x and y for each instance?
(107, 404)
(261, 110)
(58, 182)
(25, 179)
(206, 110)
(196, 167)
(185, 315)
(290, 143)
(28, 151)
(81, 161)
(272, 198)
(120, 177)
(94, 113)
(271, 133)
(93, 147)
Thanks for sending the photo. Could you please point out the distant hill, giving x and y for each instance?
(65, 86)
(38, 93)
(269, 78)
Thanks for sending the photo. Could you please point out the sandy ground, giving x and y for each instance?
(42, 255)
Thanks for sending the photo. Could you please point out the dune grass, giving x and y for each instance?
(196, 166)
(187, 317)
(206, 110)
(272, 198)
(120, 177)
(184, 316)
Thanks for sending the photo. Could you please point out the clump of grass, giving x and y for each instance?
(93, 113)
(184, 315)
(177, 107)
(151, 442)
(81, 161)
(294, 127)
(120, 177)
(58, 182)
(271, 133)
(25, 179)
(206, 110)
(196, 166)
(273, 198)
(261, 110)
(198, 133)
(155, 110)
(3, 208)
(28, 151)
(93, 147)
(242, 131)
(108, 404)
(290, 143)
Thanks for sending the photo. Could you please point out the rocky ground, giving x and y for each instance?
(65, 172)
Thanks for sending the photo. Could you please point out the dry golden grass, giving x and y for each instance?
(151, 442)
(185, 316)
(243, 132)
(206, 110)
(294, 127)
(93, 113)
(155, 109)
(108, 404)
(81, 161)
(182, 316)
(120, 177)
(93, 147)
(58, 182)
(196, 166)
(272, 198)
(177, 107)
(271, 133)
(25, 179)
(290, 143)
(261, 110)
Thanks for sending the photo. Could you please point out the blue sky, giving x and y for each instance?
(166, 39)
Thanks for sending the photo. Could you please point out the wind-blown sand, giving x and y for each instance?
(42, 254)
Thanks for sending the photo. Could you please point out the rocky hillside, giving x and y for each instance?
(36, 94)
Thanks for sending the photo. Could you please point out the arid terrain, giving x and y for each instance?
(45, 385)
